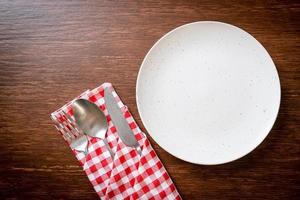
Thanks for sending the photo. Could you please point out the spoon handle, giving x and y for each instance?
(108, 147)
(139, 150)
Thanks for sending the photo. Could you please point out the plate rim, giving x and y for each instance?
(146, 126)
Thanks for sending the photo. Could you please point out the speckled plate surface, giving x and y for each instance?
(208, 92)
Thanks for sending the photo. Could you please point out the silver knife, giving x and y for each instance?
(123, 129)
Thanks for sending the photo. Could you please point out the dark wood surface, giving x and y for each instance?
(51, 51)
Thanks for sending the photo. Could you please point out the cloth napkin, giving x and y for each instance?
(128, 175)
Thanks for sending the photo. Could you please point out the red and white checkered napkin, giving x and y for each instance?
(128, 175)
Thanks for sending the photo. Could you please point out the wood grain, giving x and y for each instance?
(50, 51)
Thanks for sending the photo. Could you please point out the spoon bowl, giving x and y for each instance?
(91, 120)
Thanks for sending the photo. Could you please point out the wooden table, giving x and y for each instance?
(51, 51)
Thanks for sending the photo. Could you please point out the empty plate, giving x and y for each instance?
(208, 92)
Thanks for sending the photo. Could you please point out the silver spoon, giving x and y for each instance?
(91, 120)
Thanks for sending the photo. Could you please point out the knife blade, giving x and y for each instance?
(123, 129)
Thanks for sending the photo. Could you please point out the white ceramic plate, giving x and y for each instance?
(208, 92)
